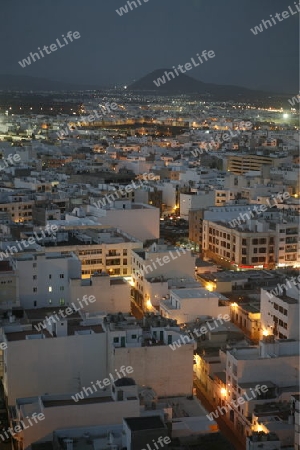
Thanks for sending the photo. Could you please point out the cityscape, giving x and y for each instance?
(149, 225)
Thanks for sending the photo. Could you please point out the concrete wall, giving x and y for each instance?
(169, 372)
(110, 296)
(53, 365)
(79, 416)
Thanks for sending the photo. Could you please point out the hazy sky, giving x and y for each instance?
(158, 34)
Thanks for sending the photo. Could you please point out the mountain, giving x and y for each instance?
(184, 84)
(28, 83)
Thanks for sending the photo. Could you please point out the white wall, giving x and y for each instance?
(169, 372)
(45, 266)
(53, 365)
(112, 296)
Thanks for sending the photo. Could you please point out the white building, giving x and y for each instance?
(159, 260)
(138, 220)
(280, 314)
(186, 305)
(44, 278)
(112, 294)
(274, 363)
(103, 408)
(40, 362)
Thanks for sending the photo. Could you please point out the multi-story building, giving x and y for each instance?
(239, 248)
(247, 317)
(273, 364)
(19, 208)
(243, 163)
(112, 294)
(159, 260)
(146, 348)
(99, 249)
(280, 313)
(43, 278)
(138, 220)
(186, 305)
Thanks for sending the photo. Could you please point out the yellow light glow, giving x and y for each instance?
(149, 304)
(210, 287)
(265, 333)
(234, 305)
(223, 391)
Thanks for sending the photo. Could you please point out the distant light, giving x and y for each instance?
(125, 87)
(285, 116)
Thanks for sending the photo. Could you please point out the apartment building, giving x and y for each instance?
(186, 305)
(273, 363)
(99, 249)
(43, 278)
(109, 408)
(242, 163)
(18, 207)
(159, 260)
(146, 348)
(112, 294)
(247, 247)
(78, 350)
(247, 316)
(138, 220)
(287, 244)
(280, 313)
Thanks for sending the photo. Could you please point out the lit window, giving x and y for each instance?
(50, 289)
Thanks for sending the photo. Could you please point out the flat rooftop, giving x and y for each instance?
(71, 402)
(196, 293)
(73, 329)
(144, 423)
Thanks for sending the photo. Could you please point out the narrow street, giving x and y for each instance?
(224, 428)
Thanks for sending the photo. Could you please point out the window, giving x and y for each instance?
(125, 252)
(50, 276)
(34, 277)
(116, 340)
(50, 289)
(61, 288)
(61, 301)
(61, 275)
(50, 301)
(35, 289)
(34, 265)
(133, 336)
